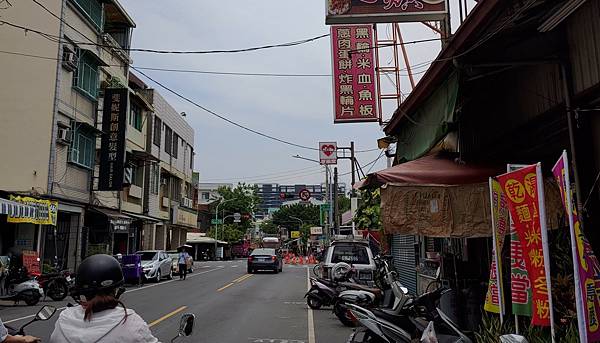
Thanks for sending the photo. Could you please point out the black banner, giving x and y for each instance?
(112, 147)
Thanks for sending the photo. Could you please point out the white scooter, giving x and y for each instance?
(21, 287)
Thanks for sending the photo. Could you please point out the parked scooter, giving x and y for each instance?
(43, 314)
(324, 292)
(406, 321)
(19, 286)
(363, 296)
(56, 284)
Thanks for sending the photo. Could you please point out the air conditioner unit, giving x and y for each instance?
(64, 135)
(69, 59)
(186, 202)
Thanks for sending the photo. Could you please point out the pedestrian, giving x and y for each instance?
(100, 316)
(183, 257)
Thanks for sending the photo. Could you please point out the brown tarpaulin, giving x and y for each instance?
(449, 210)
(439, 169)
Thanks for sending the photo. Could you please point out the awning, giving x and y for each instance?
(440, 168)
(143, 217)
(144, 155)
(198, 238)
(421, 130)
(15, 209)
(115, 218)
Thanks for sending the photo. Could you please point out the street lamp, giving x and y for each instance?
(217, 216)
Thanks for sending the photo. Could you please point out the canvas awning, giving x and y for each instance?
(439, 169)
(15, 209)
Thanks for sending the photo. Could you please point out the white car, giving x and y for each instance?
(156, 265)
(355, 252)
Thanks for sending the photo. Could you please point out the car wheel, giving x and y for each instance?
(170, 276)
(157, 279)
(250, 271)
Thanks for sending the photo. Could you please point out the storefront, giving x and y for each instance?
(109, 232)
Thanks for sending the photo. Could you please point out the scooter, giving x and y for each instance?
(43, 314)
(406, 322)
(55, 285)
(324, 292)
(18, 286)
(363, 296)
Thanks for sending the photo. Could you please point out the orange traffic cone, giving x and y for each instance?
(301, 260)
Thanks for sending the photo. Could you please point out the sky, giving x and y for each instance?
(298, 109)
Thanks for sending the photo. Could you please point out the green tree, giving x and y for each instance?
(308, 213)
(268, 227)
(368, 214)
(241, 199)
(230, 233)
(343, 203)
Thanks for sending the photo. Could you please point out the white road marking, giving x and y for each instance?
(311, 321)
(127, 291)
(274, 340)
(234, 266)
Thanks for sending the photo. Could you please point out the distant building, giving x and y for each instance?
(273, 195)
(207, 192)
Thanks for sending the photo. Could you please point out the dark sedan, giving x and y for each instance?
(265, 259)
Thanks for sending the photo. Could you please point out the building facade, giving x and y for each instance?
(273, 195)
(53, 119)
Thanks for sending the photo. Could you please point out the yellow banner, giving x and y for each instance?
(295, 234)
(46, 214)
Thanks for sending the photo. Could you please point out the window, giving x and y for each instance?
(135, 117)
(168, 139)
(205, 195)
(85, 77)
(356, 254)
(83, 149)
(175, 145)
(155, 178)
(157, 131)
(137, 175)
(92, 9)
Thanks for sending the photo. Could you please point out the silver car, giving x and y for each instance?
(156, 264)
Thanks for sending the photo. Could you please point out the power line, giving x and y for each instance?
(158, 51)
(232, 73)
(215, 114)
(274, 174)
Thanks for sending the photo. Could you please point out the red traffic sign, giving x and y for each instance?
(282, 195)
(304, 195)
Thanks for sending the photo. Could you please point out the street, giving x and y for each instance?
(230, 306)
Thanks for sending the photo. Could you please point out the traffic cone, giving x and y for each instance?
(293, 260)
(301, 260)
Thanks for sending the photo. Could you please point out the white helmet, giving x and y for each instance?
(340, 270)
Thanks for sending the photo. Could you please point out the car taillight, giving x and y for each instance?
(249, 258)
(274, 258)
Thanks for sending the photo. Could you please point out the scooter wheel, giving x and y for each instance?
(313, 302)
(31, 299)
(57, 290)
(343, 315)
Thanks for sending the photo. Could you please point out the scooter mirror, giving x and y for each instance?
(45, 312)
(186, 325)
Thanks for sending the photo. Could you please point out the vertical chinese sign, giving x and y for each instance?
(494, 301)
(353, 58)
(524, 193)
(112, 147)
(585, 263)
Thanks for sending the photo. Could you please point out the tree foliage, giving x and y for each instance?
(343, 203)
(308, 213)
(368, 214)
(241, 199)
(268, 227)
(230, 233)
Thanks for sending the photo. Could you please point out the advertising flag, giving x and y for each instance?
(525, 200)
(585, 264)
(494, 301)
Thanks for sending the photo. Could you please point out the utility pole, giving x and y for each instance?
(327, 190)
(336, 210)
(352, 162)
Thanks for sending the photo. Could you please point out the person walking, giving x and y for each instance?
(183, 257)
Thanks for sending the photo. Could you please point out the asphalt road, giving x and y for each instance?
(230, 306)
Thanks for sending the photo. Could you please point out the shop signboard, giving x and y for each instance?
(31, 261)
(586, 266)
(316, 230)
(112, 147)
(525, 195)
(494, 301)
(384, 11)
(324, 213)
(295, 234)
(46, 211)
(327, 153)
(353, 58)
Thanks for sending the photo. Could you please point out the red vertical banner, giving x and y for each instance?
(353, 59)
(522, 191)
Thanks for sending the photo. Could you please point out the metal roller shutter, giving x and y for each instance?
(403, 251)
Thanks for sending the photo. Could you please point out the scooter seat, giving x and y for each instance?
(328, 283)
(378, 292)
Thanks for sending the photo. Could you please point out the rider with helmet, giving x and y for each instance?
(98, 318)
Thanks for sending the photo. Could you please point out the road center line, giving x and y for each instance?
(166, 316)
(127, 291)
(311, 321)
(243, 278)
(227, 285)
